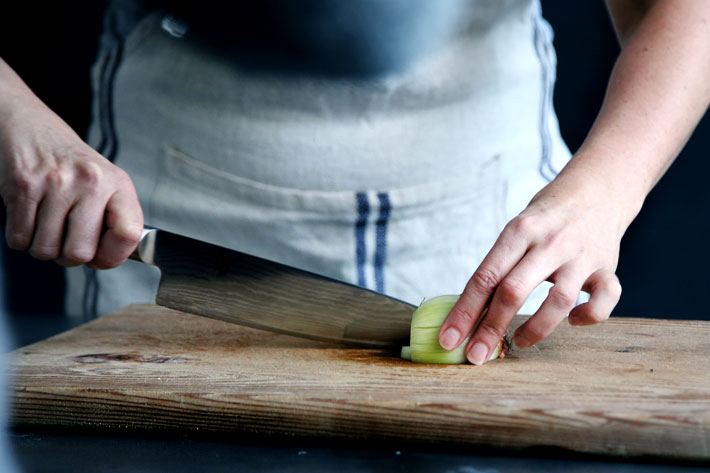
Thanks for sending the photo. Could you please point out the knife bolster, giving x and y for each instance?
(145, 251)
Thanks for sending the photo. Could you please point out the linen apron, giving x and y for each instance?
(399, 183)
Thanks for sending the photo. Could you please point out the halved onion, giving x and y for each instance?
(424, 337)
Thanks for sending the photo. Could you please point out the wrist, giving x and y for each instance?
(594, 183)
(16, 98)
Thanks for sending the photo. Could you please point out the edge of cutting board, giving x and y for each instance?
(626, 387)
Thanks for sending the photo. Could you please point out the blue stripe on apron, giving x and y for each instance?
(381, 240)
(363, 212)
(108, 146)
(548, 81)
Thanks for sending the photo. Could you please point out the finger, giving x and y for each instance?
(559, 302)
(20, 225)
(49, 227)
(505, 254)
(509, 297)
(124, 221)
(84, 224)
(605, 291)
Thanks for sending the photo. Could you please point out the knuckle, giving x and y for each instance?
(45, 252)
(90, 176)
(62, 261)
(523, 224)
(18, 241)
(19, 187)
(554, 239)
(106, 262)
(511, 292)
(21, 184)
(56, 179)
(490, 330)
(128, 235)
(462, 317)
(597, 316)
(535, 332)
(484, 280)
(77, 255)
(561, 299)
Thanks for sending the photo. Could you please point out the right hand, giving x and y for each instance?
(65, 202)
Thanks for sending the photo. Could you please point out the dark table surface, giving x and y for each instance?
(58, 452)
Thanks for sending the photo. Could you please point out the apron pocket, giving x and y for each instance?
(309, 229)
(409, 242)
(436, 234)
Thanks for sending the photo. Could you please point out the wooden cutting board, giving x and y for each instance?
(628, 386)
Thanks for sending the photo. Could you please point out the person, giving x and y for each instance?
(384, 143)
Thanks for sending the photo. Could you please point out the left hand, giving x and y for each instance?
(569, 235)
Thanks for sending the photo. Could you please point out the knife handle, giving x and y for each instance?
(145, 251)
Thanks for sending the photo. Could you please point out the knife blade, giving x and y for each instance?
(208, 280)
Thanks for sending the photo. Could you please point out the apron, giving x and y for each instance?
(399, 183)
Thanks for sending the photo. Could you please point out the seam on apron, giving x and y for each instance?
(89, 292)
(381, 240)
(547, 171)
(112, 150)
(363, 212)
(106, 59)
(108, 146)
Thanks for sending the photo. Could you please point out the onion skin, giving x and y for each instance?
(424, 337)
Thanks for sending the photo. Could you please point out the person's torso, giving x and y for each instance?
(398, 180)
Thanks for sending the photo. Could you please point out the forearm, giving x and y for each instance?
(12, 89)
(570, 233)
(23, 115)
(657, 93)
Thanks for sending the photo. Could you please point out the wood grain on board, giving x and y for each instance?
(630, 386)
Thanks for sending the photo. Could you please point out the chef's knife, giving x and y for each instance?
(208, 280)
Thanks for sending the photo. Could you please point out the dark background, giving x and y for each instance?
(663, 260)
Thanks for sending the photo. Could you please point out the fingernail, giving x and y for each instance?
(450, 338)
(478, 354)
